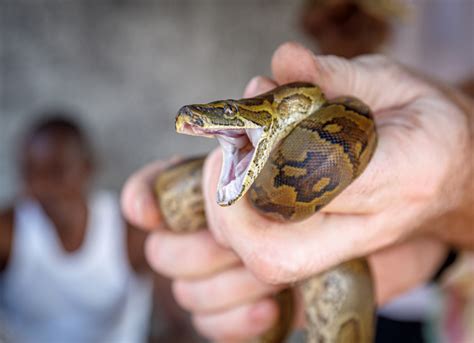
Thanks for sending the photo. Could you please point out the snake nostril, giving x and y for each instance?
(189, 111)
(185, 110)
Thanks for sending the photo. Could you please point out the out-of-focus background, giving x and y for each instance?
(122, 68)
(126, 66)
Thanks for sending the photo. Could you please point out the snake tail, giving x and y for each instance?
(339, 304)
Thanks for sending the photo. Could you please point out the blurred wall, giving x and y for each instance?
(126, 66)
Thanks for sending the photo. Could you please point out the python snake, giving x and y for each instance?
(292, 151)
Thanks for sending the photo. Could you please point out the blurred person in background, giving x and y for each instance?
(71, 269)
(349, 28)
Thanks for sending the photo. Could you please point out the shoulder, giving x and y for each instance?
(6, 235)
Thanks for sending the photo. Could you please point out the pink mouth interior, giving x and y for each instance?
(238, 147)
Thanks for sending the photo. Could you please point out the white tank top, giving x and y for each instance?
(90, 295)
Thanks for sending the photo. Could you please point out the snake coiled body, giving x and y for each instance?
(293, 151)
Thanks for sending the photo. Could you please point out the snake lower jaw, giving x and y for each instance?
(238, 146)
(238, 153)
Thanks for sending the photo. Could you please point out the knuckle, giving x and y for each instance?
(271, 270)
(331, 64)
(200, 296)
(221, 240)
(374, 60)
(382, 64)
(219, 226)
(219, 237)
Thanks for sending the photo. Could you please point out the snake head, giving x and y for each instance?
(248, 130)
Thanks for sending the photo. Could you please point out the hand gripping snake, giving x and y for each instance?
(292, 151)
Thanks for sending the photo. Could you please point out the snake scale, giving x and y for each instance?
(291, 151)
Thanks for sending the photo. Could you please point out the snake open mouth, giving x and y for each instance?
(238, 147)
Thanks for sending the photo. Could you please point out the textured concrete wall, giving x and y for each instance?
(126, 66)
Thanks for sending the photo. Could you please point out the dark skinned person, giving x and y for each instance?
(71, 269)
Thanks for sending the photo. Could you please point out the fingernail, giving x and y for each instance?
(252, 86)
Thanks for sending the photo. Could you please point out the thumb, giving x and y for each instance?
(375, 79)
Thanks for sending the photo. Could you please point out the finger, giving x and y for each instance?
(374, 79)
(240, 323)
(138, 199)
(221, 291)
(273, 250)
(402, 267)
(187, 256)
(258, 85)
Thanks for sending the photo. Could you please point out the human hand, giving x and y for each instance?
(226, 300)
(417, 174)
(228, 303)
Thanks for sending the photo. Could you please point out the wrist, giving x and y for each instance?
(457, 226)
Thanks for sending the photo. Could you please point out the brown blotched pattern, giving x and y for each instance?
(180, 196)
(312, 150)
(316, 161)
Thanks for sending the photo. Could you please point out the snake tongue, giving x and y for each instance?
(238, 149)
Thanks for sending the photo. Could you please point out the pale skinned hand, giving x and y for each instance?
(228, 303)
(417, 172)
(423, 142)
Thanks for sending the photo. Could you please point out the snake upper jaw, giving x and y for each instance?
(238, 169)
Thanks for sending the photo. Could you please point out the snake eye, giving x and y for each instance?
(230, 110)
